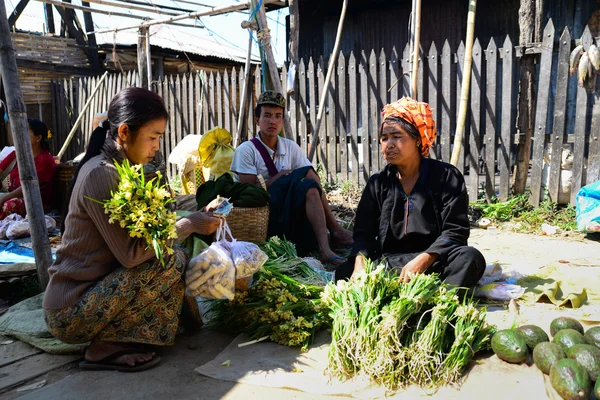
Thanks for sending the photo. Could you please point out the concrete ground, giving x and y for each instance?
(175, 377)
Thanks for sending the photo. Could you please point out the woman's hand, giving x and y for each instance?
(200, 222)
(416, 266)
(205, 223)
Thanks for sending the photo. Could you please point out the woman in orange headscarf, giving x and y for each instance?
(413, 214)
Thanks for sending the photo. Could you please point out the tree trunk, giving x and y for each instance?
(27, 172)
(530, 22)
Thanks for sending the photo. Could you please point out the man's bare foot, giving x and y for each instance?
(329, 257)
(102, 351)
(341, 238)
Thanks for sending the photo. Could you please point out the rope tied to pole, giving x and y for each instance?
(264, 36)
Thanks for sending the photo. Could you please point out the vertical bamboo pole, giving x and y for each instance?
(416, 46)
(466, 85)
(27, 173)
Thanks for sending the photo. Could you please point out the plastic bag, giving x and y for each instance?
(6, 222)
(50, 224)
(211, 274)
(317, 266)
(500, 291)
(247, 257)
(189, 166)
(18, 229)
(588, 208)
(216, 151)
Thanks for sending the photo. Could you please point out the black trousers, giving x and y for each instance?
(464, 266)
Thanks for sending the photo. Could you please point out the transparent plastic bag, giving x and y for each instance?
(247, 257)
(211, 274)
(18, 230)
(500, 291)
(7, 222)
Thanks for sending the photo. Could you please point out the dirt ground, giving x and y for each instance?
(175, 377)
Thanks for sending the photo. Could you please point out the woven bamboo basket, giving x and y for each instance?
(250, 224)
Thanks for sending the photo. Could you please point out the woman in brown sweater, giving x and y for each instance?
(106, 287)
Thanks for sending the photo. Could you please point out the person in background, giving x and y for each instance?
(413, 214)
(299, 209)
(106, 287)
(45, 166)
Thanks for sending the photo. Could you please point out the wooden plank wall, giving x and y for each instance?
(49, 49)
(362, 83)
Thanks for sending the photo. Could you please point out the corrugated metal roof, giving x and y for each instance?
(192, 41)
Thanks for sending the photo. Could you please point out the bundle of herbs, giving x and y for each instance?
(283, 304)
(400, 334)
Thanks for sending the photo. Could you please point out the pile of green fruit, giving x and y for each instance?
(572, 359)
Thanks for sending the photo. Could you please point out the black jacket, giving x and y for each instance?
(435, 221)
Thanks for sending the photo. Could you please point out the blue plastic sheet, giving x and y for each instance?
(12, 252)
(588, 208)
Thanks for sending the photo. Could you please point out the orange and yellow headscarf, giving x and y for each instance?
(417, 114)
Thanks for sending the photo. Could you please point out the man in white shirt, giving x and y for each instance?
(296, 193)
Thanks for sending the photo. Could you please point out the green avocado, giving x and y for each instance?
(533, 335)
(589, 358)
(567, 338)
(561, 323)
(592, 336)
(510, 345)
(570, 380)
(546, 354)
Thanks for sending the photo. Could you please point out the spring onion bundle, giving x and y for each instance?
(401, 334)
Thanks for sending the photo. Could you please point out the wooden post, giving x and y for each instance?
(265, 40)
(466, 85)
(49, 19)
(91, 39)
(27, 171)
(244, 98)
(148, 59)
(416, 43)
(332, 59)
(294, 40)
(142, 60)
(16, 13)
(530, 16)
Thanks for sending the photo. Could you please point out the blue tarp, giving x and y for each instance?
(12, 252)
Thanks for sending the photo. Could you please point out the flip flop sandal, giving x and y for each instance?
(335, 258)
(106, 364)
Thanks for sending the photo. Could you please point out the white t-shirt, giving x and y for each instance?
(247, 159)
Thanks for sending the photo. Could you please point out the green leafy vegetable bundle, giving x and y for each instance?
(400, 334)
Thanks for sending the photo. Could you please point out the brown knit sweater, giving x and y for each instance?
(91, 247)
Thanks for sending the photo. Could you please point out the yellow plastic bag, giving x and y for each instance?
(216, 151)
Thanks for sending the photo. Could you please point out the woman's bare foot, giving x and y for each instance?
(102, 351)
(341, 238)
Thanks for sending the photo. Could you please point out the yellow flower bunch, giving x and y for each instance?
(140, 206)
